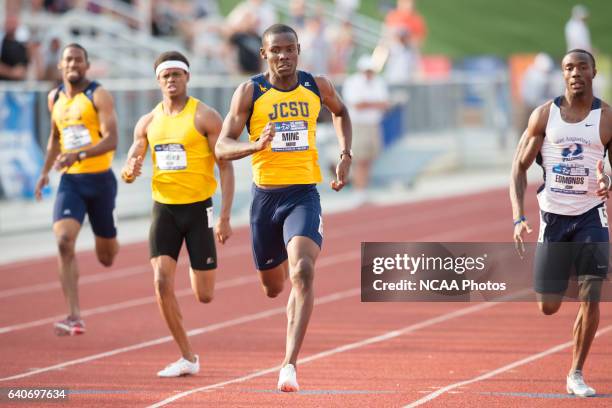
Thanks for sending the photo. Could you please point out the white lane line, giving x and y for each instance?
(381, 223)
(427, 216)
(229, 283)
(84, 280)
(337, 350)
(500, 370)
(206, 329)
(149, 299)
(139, 269)
(104, 276)
(241, 280)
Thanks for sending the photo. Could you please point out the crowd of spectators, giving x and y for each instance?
(24, 56)
(229, 44)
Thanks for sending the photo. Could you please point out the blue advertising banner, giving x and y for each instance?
(20, 156)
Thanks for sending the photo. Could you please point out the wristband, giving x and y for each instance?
(609, 181)
(521, 219)
(348, 153)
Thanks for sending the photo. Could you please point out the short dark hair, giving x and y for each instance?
(170, 56)
(278, 29)
(77, 46)
(581, 51)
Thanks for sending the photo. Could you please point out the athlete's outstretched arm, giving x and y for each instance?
(342, 124)
(53, 150)
(228, 147)
(209, 123)
(526, 152)
(107, 117)
(133, 163)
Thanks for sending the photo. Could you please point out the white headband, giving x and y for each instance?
(170, 64)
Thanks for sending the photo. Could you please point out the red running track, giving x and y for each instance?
(355, 354)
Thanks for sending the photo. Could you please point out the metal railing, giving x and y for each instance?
(367, 31)
(427, 106)
(117, 48)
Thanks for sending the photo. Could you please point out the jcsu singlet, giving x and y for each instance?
(292, 157)
(569, 158)
(79, 128)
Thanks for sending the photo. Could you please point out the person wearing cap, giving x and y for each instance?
(367, 99)
(538, 84)
(577, 35)
(81, 145)
(181, 132)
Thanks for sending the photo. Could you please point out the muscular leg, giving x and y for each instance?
(203, 284)
(587, 321)
(585, 328)
(549, 303)
(164, 268)
(273, 280)
(106, 250)
(66, 231)
(303, 253)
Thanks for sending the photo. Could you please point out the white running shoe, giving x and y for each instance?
(70, 326)
(287, 379)
(180, 367)
(577, 386)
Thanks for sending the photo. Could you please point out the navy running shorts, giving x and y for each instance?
(91, 193)
(193, 223)
(571, 245)
(277, 215)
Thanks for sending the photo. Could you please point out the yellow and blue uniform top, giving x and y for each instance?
(79, 128)
(183, 163)
(292, 157)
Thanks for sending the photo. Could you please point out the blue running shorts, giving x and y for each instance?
(277, 215)
(91, 193)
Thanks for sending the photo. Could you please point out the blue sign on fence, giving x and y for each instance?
(20, 156)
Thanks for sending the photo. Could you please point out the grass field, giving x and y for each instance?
(501, 27)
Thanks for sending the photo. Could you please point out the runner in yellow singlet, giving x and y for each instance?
(280, 109)
(81, 145)
(181, 132)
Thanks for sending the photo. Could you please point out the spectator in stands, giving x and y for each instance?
(346, 8)
(577, 33)
(403, 58)
(367, 98)
(405, 16)
(58, 6)
(50, 57)
(13, 53)
(265, 15)
(244, 43)
(297, 15)
(205, 9)
(315, 49)
(162, 18)
(342, 40)
(538, 85)
(204, 35)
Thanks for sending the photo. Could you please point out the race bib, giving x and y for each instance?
(290, 136)
(171, 156)
(76, 137)
(569, 180)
